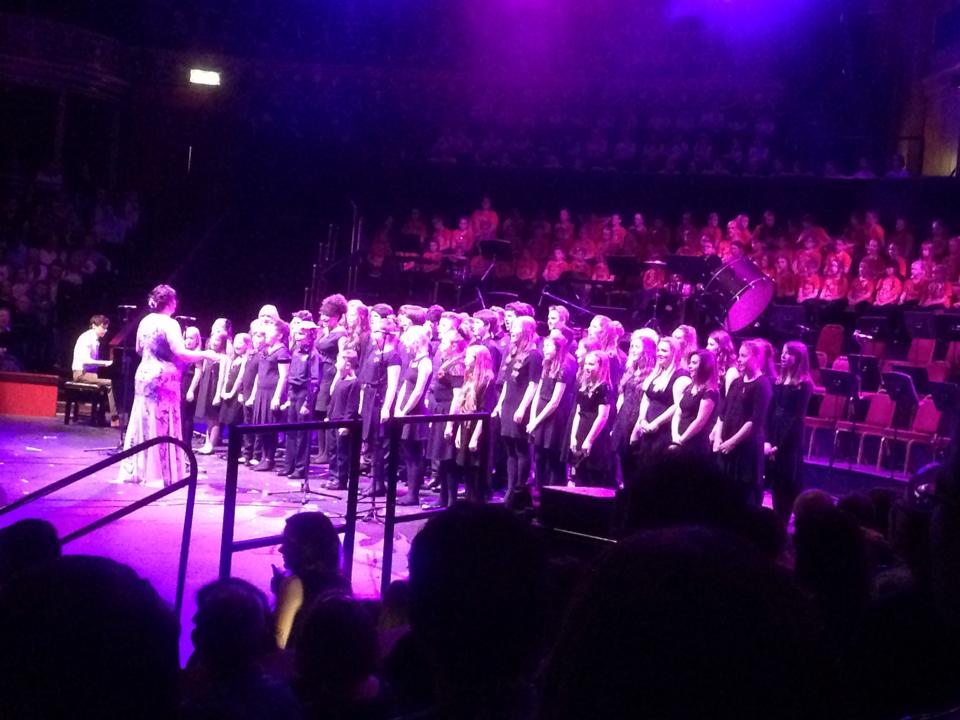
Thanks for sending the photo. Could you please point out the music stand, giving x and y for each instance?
(920, 324)
(623, 267)
(921, 380)
(843, 385)
(867, 369)
(872, 329)
(900, 388)
(496, 250)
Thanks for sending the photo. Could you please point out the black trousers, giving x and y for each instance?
(297, 443)
(339, 453)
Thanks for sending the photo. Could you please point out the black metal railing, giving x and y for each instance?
(190, 482)
(229, 546)
(390, 519)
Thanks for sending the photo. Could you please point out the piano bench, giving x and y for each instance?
(77, 393)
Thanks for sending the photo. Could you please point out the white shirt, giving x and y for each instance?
(86, 349)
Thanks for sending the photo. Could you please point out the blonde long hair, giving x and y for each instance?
(660, 378)
(639, 364)
(476, 379)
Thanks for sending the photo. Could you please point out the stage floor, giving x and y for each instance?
(37, 451)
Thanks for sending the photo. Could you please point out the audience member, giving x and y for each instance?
(233, 641)
(688, 622)
(86, 637)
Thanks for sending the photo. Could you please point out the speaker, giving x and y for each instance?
(591, 511)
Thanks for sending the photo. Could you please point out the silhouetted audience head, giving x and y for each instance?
(831, 561)
(764, 529)
(685, 623)
(337, 657)
(26, 544)
(477, 587)
(680, 490)
(233, 627)
(86, 637)
(310, 544)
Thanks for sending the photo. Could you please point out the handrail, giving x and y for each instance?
(390, 520)
(190, 482)
(229, 546)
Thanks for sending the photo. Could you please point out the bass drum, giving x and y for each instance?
(742, 292)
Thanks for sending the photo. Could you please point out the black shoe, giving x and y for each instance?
(283, 471)
(332, 485)
(297, 475)
(409, 500)
(373, 492)
(264, 466)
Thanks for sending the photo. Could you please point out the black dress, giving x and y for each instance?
(206, 411)
(628, 414)
(596, 468)
(516, 379)
(486, 402)
(446, 380)
(327, 348)
(372, 377)
(658, 401)
(408, 382)
(551, 434)
(699, 444)
(746, 402)
(230, 410)
(268, 375)
(785, 432)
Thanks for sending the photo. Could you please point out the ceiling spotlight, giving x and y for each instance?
(204, 77)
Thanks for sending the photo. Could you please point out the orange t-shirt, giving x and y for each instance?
(809, 287)
(527, 269)
(861, 290)
(888, 290)
(554, 269)
(937, 293)
(786, 284)
(484, 222)
(654, 278)
(834, 288)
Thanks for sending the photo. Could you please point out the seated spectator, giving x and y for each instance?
(86, 637)
(337, 658)
(232, 640)
(311, 553)
(677, 623)
(831, 561)
(477, 591)
(24, 545)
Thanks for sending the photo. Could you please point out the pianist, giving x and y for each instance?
(86, 360)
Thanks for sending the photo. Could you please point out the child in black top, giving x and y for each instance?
(248, 374)
(302, 382)
(270, 387)
(552, 404)
(521, 373)
(344, 405)
(188, 382)
(590, 448)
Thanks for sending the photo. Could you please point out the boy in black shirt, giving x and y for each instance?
(344, 405)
